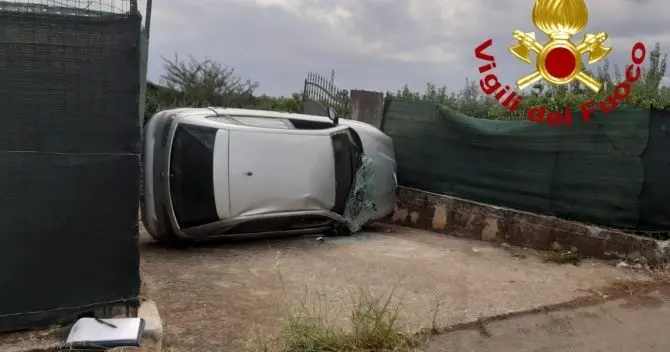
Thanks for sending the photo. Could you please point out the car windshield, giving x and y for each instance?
(347, 159)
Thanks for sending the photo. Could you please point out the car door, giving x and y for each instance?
(280, 171)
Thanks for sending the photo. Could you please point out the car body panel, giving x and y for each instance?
(292, 166)
(288, 173)
(221, 177)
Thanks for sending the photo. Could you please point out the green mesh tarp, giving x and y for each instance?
(69, 165)
(589, 172)
(655, 196)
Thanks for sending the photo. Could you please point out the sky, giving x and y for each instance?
(376, 44)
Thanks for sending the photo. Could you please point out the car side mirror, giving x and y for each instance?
(332, 115)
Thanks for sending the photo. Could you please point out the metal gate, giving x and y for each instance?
(320, 93)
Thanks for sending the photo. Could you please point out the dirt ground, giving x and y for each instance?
(225, 296)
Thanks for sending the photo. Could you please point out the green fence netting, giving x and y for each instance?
(589, 172)
(69, 164)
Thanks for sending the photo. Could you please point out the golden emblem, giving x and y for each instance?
(559, 61)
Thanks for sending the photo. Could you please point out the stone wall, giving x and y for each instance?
(463, 218)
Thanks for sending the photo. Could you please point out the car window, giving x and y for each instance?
(266, 122)
(191, 173)
(310, 125)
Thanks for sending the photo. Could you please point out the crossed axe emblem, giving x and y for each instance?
(559, 60)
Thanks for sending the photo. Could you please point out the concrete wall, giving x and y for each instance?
(464, 218)
(367, 106)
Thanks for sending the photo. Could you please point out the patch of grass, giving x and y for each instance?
(561, 255)
(372, 325)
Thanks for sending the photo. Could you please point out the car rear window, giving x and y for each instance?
(191, 175)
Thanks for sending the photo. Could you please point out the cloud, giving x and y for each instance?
(374, 44)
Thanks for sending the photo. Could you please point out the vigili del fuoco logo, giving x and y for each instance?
(558, 61)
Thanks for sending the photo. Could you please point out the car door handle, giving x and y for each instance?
(249, 173)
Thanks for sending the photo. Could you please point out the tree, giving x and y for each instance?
(292, 103)
(206, 83)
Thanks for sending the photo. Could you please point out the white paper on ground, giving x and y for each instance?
(128, 332)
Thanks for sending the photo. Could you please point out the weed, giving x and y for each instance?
(372, 325)
(560, 255)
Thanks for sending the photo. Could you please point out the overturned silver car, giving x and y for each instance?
(216, 172)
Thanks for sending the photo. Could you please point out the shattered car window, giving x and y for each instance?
(360, 205)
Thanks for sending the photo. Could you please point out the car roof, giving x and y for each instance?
(267, 113)
(220, 111)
